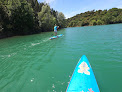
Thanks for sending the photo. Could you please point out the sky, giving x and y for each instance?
(72, 7)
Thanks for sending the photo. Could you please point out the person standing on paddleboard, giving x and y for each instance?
(55, 29)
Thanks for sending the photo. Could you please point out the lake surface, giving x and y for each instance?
(36, 64)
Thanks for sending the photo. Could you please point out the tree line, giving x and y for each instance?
(23, 17)
(98, 17)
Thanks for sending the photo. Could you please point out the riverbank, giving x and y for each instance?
(8, 36)
(98, 17)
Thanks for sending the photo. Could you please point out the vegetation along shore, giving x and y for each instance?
(24, 17)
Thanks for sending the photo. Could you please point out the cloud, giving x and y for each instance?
(69, 15)
(49, 1)
(52, 3)
(73, 13)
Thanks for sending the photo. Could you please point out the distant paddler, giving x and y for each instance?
(55, 29)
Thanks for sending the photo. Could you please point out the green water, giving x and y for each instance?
(36, 64)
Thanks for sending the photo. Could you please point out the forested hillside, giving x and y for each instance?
(22, 17)
(99, 17)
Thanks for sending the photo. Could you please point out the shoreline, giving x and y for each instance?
(10, 36)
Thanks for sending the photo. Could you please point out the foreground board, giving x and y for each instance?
(54, 37)
(83, 79)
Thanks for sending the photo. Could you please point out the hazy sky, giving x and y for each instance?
(72, 7)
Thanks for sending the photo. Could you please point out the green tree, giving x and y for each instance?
(100, 22)
(23, 19)
(84, 23)
(46, 20)
(93, 22)
(5, 26)
(72, 23)
(106, 19)
(119, 18)
(61, 19)
(98, 17)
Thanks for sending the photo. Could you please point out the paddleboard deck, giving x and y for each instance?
(83, 79)
(54, 37)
